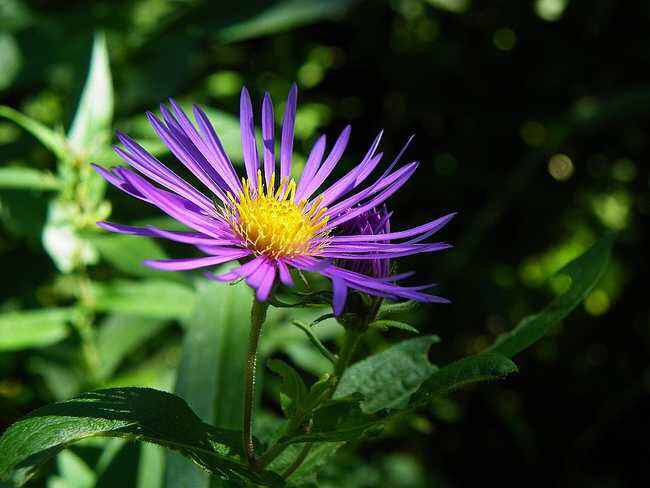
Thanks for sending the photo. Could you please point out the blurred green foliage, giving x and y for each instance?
(531, 120)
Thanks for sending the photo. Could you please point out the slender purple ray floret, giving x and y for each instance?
(266, 220)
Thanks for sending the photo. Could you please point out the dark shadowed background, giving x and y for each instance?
(531, 120)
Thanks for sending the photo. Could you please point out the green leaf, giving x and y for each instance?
(339, 420)
(127, 254)
(394, 324)
(316, 459)
(91, 127)
(27, 178)
(33, 328)
(119, 335)
(293, 387)
(73, 472)
(151, 298)
(387, 379)
(133, 413)
(483, 367)
(11, 59)
(54, 141)
(212, 367)
(391, 309)
(583, 272)
(283, 16)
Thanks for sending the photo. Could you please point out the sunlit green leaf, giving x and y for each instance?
(133, 413)
(151, 298)
(28, 178)
(282, 16)
(54, 141)
(33, 328)
(119, 335)
(387, 379)
(91, 127)
(583, 273)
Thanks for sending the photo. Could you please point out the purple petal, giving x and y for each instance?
(329, 164)
(313, 162)
(267, 283)
(268, 129)
(248, 146)
(285, 275)
(214, 144)
(434, 226)
(193, 263)
(340, 293)
(241, 272)
(288, 122)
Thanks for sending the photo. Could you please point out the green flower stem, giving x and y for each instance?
(350, 340)
(258, 315)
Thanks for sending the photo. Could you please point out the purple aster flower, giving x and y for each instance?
(267, 221)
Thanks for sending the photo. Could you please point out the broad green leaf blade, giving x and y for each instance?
(283, 16)
(387, 379)
(393, 324)
(483, 367)
(212, 367)
(91, 127)
(127, 254)
(293, 387)
(54, 141)
(133, 413)
(151, 298)
(27, 178)
(119, 335)
(313, 463)
(33, 328)
(584, 272)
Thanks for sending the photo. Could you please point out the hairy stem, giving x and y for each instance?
(258, 315)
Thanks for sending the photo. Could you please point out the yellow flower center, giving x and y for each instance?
(272, 223)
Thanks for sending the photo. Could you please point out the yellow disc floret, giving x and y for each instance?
(271, 223)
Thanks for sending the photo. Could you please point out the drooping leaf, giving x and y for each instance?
(91, 127)
(151, 298)
(119, 335)
(583, 272)
(133, 413)
(483, 367)
(27, 178)
(387, 379)
(293, 387)
(33, 328)
(54, 141)
(212, 364)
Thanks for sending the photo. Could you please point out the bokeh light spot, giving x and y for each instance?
(597, 303)
(560, 167)
(550, 10)
(505, 39)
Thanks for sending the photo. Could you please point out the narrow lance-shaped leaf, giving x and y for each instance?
(140, 413)
(584, 272)
(91, 126)
(27, 178)
(293, 387)
(54, 141)
(33, 328)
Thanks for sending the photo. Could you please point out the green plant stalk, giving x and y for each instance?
(350, 341)
(258, 315)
